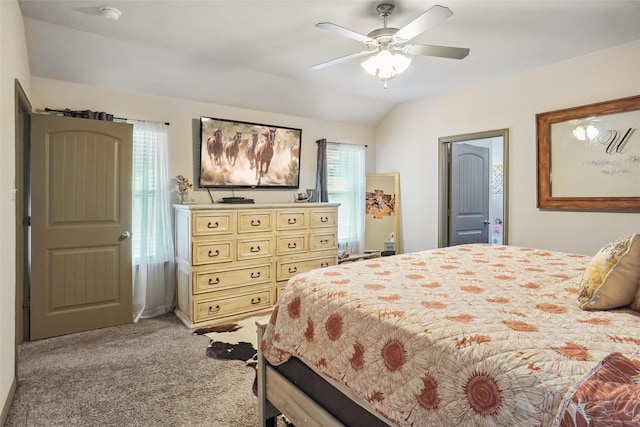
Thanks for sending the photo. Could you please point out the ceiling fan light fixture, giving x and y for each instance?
(386, 65)
(387, 45)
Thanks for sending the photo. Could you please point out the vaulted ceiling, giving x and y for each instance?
(257, 54)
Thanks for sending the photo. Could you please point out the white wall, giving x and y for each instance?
(13, 65)
(184, 116)
(407, 142)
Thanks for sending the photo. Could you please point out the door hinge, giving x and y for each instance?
(27, 221)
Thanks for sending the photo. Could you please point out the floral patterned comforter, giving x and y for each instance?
(467, 335)
(609, 395)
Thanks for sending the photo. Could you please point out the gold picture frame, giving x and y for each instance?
(589, 157)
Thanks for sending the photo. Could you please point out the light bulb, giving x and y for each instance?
(386, 65)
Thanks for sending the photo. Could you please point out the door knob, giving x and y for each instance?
(487, 222)
(125, 235)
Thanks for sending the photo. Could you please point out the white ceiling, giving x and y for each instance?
(257, 54)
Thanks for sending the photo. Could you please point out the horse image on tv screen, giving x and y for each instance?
(242, 154)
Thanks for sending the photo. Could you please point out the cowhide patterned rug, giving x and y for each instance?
(233, 341)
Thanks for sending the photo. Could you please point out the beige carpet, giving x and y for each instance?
(153, 373)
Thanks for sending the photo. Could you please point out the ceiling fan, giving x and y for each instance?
(390, 43)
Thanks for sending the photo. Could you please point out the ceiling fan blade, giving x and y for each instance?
(344, 32)
(422, 23)
(431, 50)
(341, 59)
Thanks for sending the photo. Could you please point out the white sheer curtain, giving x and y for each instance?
(153, 256)
(346, 185)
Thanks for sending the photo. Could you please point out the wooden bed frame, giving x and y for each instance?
(279, 395)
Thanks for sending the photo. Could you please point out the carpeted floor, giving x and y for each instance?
(153, 373)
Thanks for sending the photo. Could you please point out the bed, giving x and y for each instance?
(465, 335)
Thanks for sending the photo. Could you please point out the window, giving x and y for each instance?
(345, 185)
(152, 245)
(151, 208)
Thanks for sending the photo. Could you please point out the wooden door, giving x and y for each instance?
(81, 219)
(23, 126)
(469, 220)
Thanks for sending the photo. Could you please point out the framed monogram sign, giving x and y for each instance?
(589, 157)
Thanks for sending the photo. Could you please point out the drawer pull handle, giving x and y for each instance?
(324, 264)
(256, 300)
(324, 242)
(293, 269)
(292, 221)
(214, 225)
(214, 254)
(324, 219)
(255, 275)
(212, 311)
(291, 245)
(256, 249)
(211, 282)
(255, 223)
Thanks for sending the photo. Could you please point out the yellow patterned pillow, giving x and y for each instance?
(613, 275)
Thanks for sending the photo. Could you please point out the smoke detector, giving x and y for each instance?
(110, 13)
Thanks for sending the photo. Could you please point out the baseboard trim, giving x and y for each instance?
(7, 403)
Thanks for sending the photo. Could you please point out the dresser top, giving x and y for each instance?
(223, 206)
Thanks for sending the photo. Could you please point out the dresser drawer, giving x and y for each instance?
(255, 247)
(212, 252)
(287, 269)
(210, 308)
(253, 221)
(207, 223)
(213, 280)
(291, 244)
(321, 241)
(323, 218)
(291, 219)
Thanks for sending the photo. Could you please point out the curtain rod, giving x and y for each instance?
(138, 120)
(96, 115)
(343, 143)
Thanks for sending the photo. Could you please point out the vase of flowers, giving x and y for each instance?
(183, 188)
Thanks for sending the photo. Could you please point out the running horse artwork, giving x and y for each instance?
(264, 153)
(232, 148)
(251, 150)
(214, 146)
(236, 154)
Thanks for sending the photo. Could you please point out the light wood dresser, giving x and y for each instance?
(234, 259)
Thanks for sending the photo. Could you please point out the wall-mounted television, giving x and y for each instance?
(235, 154)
